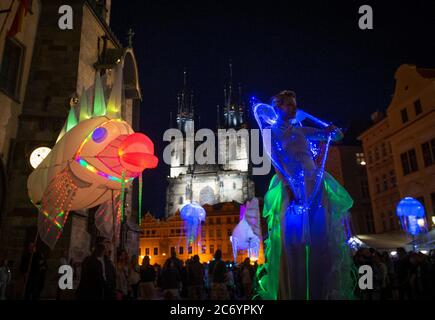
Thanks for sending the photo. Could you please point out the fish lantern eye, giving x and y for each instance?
(99, 134)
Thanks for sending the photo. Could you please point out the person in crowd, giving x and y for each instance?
(402, 268)
(35, 277)
(217, 272)
(110, 272)
(247, 274)
(133, 277)
(147, 289)
(230, 282)
(122, 269)
(177, 262)
(92, 280)
(195, 276)
(170, 280)
(5, 278)
(184, 279)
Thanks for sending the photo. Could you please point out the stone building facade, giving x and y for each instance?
(215, 181)
(15, 59)
(63, 63)
(346, 163)
(401, 148)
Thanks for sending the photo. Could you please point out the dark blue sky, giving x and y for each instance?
(339, 72)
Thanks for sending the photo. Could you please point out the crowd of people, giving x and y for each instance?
(101, 279)
(402, 276)
(399, 275)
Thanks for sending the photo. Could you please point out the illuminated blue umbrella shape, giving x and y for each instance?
(409, 211)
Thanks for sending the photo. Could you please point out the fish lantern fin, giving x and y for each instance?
(99, 100)
(71, 121)
(84, 106)
(55, 206)
(62, 133)
(115, 100)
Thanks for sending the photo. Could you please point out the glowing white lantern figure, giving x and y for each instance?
(247, 234)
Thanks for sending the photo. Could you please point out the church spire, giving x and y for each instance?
(185, 107)
(233, 105)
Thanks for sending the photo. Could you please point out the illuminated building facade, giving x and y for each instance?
(400, 148)
(159, 237)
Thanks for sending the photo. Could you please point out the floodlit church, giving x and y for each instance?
(215, 182)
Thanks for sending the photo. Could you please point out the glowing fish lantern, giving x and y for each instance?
(247, 234)
(412, 216)
(92, 163)
(192, 214)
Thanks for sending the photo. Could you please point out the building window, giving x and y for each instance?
(147, 251)
(181, 250)
(203, 249)
(211, 221)
(404, 114)
(428, 150)
(385, 182)
(218, 220)
(178, 231)
(378, 186)
(417, 107)
(211, 233)
(180, 200)
(384, 150)
(228, 220)
(219, 247)
(376, 153)
(364, 188)
(229, 232)
(219, 233)
(203, 233)
(409, 162)
(212, 249)
(189, 250)
(236, 220)
(234, 185)
(172, 231)
(10, 68)
(156, 251)
(153, 232)
(360, 158)
(370, 157)
(172, 250)
(393, 180)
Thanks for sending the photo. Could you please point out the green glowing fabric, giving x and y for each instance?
(84, 107)
(339, 202)
(268, 273)
(71, 121)
(99, 100)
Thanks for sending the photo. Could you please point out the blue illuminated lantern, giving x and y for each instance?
(412, 216)
(192, 214)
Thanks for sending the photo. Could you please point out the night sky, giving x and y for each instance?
(340, 73)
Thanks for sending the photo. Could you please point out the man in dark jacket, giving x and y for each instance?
(218, 271)
(195, 277)
(92, 280)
